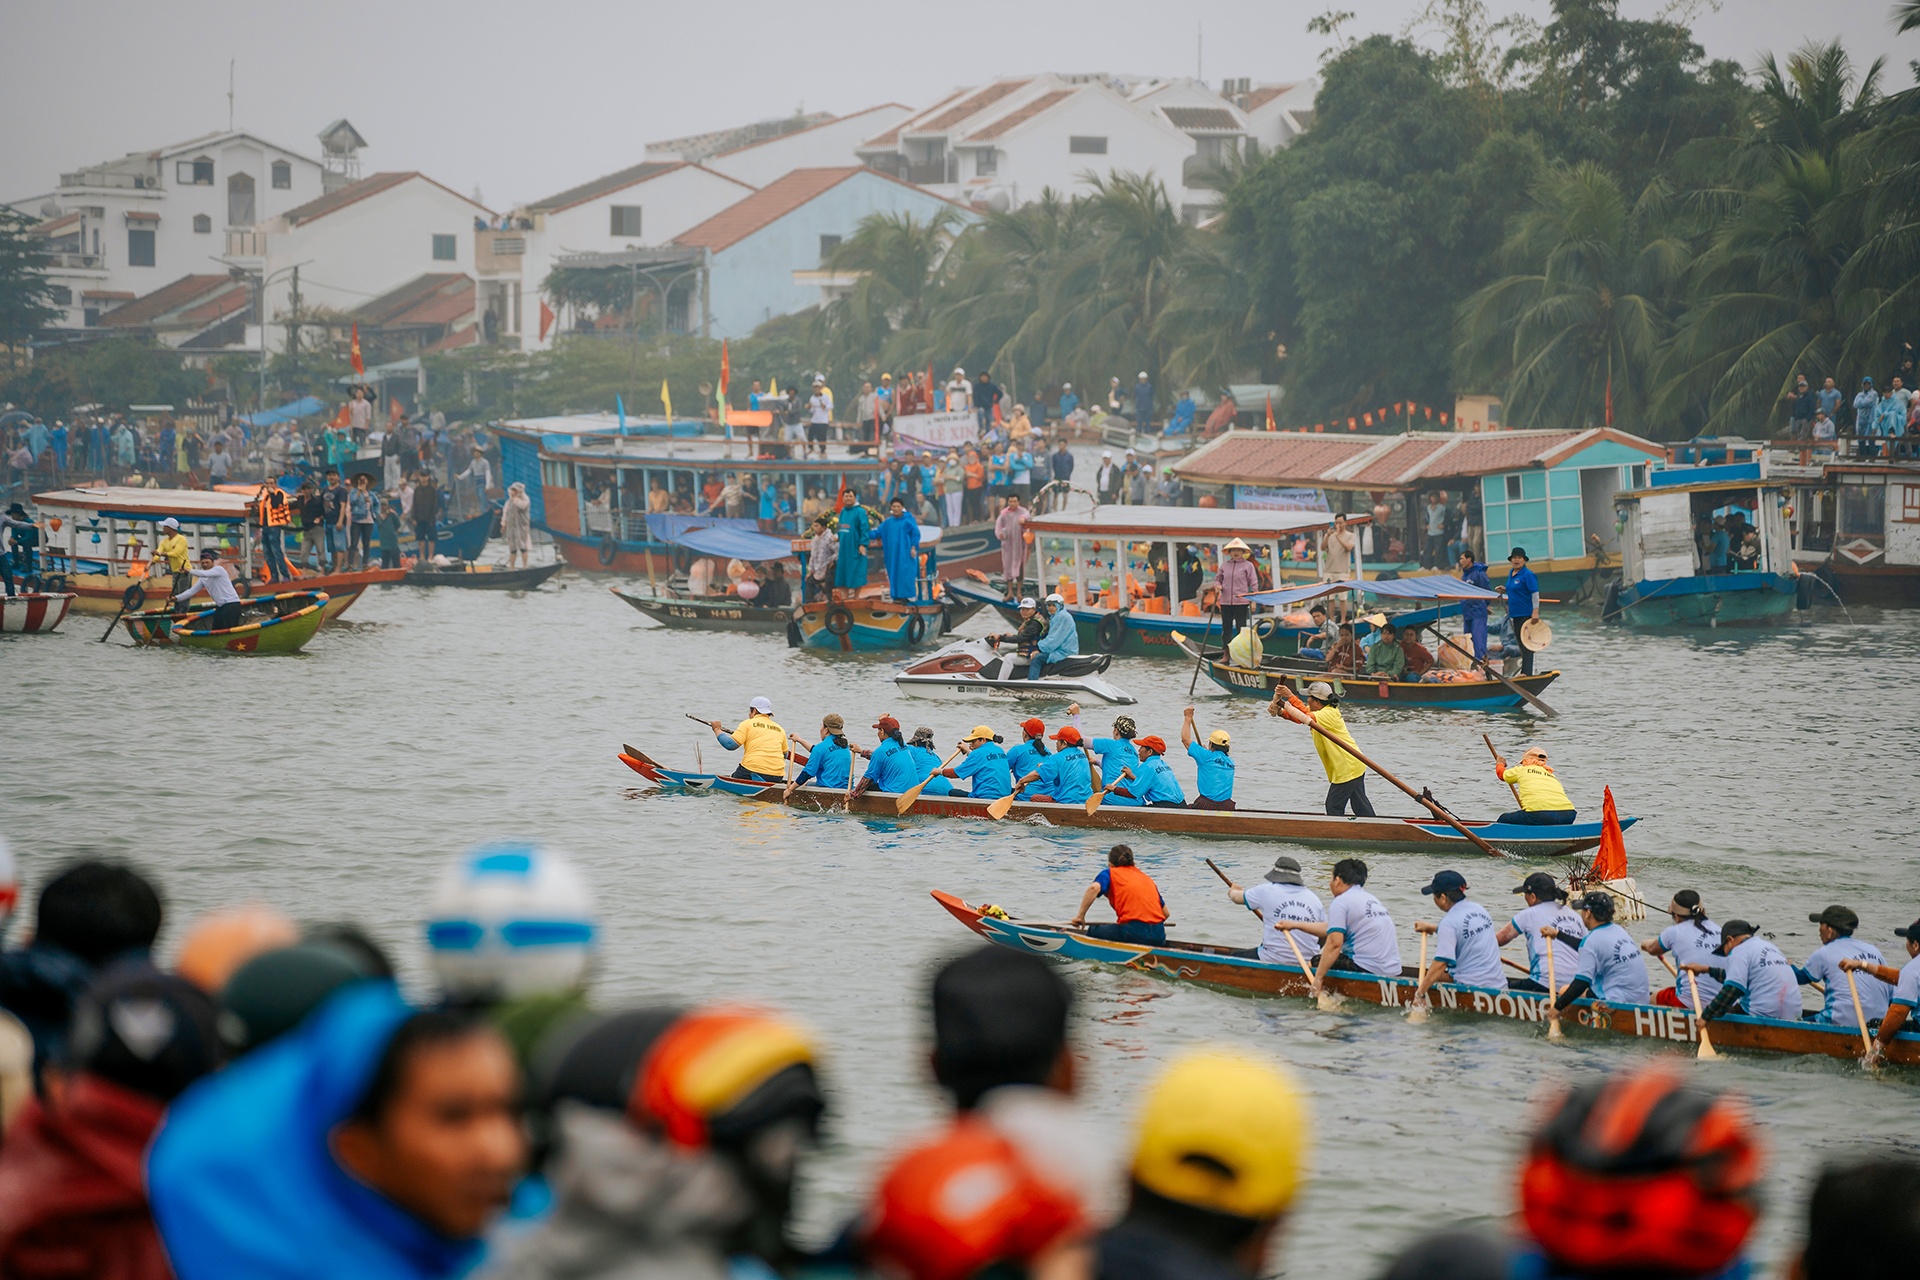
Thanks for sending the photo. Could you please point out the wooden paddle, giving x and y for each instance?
(1488, 739)
(1200, 657)
(1706, 1052)
(1099, 792)
(1554, 1030)
(1420, 1010)
(1860, 1017)
(1487, 667)
(911, 794)
(998, 809)
(1421, 797)
(132, 598)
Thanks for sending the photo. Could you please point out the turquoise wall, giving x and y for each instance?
(1545, 515)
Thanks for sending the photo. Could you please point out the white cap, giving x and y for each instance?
(1028, 602)
(761, 705)
(1143, 373)
(962, 372)
(1106, 453)
(169, 523)
(1066, 386)
(1129, 453)
(1054, 597)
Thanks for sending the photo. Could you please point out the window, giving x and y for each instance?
(827, 245)
(282, 176)
(1909, 504)
(625, 220)
(1081, 145)
(444, 249)
(240, 200)
(139, 247)
(61, 295)
(193, 173)
(986, 162)
(202, 224)
(1513, 488)
(556, 475)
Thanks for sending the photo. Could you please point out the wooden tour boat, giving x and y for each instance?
(1297, 673)
(719, 613)
(1662, 580)
(481, 577)
(1317, 830)
(281, 623)
(1214, 966)
(34, 612)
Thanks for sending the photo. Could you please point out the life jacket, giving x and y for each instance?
(1135, 897)
(271, 508)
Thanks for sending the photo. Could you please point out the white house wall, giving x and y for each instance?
(1035, 155)
(752, 280)
(670, 203)
(826, 146)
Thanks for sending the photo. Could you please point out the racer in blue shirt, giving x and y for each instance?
(985, 765)
(1212, 762)
(830, 763)
(1611, 966)
(1148, 781)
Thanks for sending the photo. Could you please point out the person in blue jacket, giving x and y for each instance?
(855, 531)
(1062, 639)
(985, 766)
(375, 1140)
(1473, 613)
(1147, 782)
(1066, 776)
(830, 763)
(900, 545)
(927, 763)
(1523, 603)
(890, 765)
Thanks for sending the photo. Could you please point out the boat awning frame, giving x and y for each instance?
(736, 539)
(1437, 586)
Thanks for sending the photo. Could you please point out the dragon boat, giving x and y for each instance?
(1208, 965)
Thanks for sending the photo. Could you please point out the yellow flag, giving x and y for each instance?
(773, 386)
(666, 399)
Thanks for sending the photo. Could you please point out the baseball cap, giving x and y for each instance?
(1153, 743)
(833, 720)
(147, 1031)
(981, 733)
(169, 523)
(1067, 734)
(1730, 930)
(1028, 602)
(1540, 884)
(1033, 728)
(762, 705)
(1196, 1147)
(1446, 882)
(1285, 870)
(1320, 691)
(1837, 916)
(1219, 738)
(1911, 932)
(886, 722)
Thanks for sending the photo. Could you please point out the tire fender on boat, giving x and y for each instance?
(609, 549)
(839, 620)
(916, 628)
(1112, 632)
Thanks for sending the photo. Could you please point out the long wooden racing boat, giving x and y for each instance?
(1298, 673)
(1214, 966)
(281, 623)
(1315, 830)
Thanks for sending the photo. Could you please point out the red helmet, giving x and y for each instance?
(1643, 1172)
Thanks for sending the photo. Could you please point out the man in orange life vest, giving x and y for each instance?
(271, 511)
(1139, 910)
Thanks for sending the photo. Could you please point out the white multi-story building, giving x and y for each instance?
(127, 227)
(999, 145)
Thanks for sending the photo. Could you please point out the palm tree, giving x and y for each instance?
(1577, 326)
(990, 312)
(900, 260)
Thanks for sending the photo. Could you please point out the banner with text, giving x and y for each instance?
(1253, 497)
(936, 431)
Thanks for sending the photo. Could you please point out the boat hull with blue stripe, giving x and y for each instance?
(1215, 966)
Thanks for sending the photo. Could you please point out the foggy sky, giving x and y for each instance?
(518, 100)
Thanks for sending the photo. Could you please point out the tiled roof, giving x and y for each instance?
(429, 300)
(183, 292)
(853, 115)
(223, 305)
(52, 225)
(630, 176)
(108, 295)
(1404, 456)
(467, 337)
(1266, 93)
(767, 205)
(334, 201)
(968, 106)
(1014, 119)
(1247, 457)
(1201, 118)
(892, 136)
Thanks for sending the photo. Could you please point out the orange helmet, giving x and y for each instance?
(221, 941)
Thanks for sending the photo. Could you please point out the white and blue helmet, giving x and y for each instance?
(511, 920)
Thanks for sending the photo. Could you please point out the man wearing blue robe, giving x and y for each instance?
(850, 570)
(1473, 613)
(900, 544)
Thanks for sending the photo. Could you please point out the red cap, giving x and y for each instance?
(1155, 744)
(1033, 728)
(1068, 734)
(886, 722)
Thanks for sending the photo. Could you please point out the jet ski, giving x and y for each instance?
(969, 668)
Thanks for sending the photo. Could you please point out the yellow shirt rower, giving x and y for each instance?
(1543, 801)
(172, 548)
(1346, 776)
(762, 744)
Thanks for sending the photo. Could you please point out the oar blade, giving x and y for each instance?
(999, 808)
(907, 797)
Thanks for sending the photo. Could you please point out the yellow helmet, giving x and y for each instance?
(1223, 1131)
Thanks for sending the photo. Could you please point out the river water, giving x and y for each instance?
(1774, 771)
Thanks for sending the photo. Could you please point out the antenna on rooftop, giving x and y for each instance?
(230, 62)
(1199, 49)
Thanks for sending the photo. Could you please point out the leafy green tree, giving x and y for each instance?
(114, 373)
(883, 319)
(26, 295)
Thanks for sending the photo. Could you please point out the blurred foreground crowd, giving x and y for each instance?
(271, 1105)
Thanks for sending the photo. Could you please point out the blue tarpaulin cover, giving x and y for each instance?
(1434, 587)
(719, 536)
(300, 408)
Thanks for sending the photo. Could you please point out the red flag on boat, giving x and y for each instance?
(359, 366)
(1269, 410)
(394, 415)
(1610, 860)
(546, 319)
(342, 419)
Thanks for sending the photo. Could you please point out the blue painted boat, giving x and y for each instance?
(1663, 579)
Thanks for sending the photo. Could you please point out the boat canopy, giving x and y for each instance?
(305, 406)
(736, 539)
(1437, 586)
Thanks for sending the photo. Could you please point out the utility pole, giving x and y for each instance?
(230, 62)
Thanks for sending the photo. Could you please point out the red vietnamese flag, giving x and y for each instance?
(1429, 413)
(725, 368)
(1269, 410)
(1368, 418)
(546, 319)
(1397, 406)
(1443, 417)
(359, 366)
(342, 418)
(393, 410)
(1353, 424)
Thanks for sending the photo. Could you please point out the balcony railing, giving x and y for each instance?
(946, 169)
(112, 180)
(76, 261)
(243, 242)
